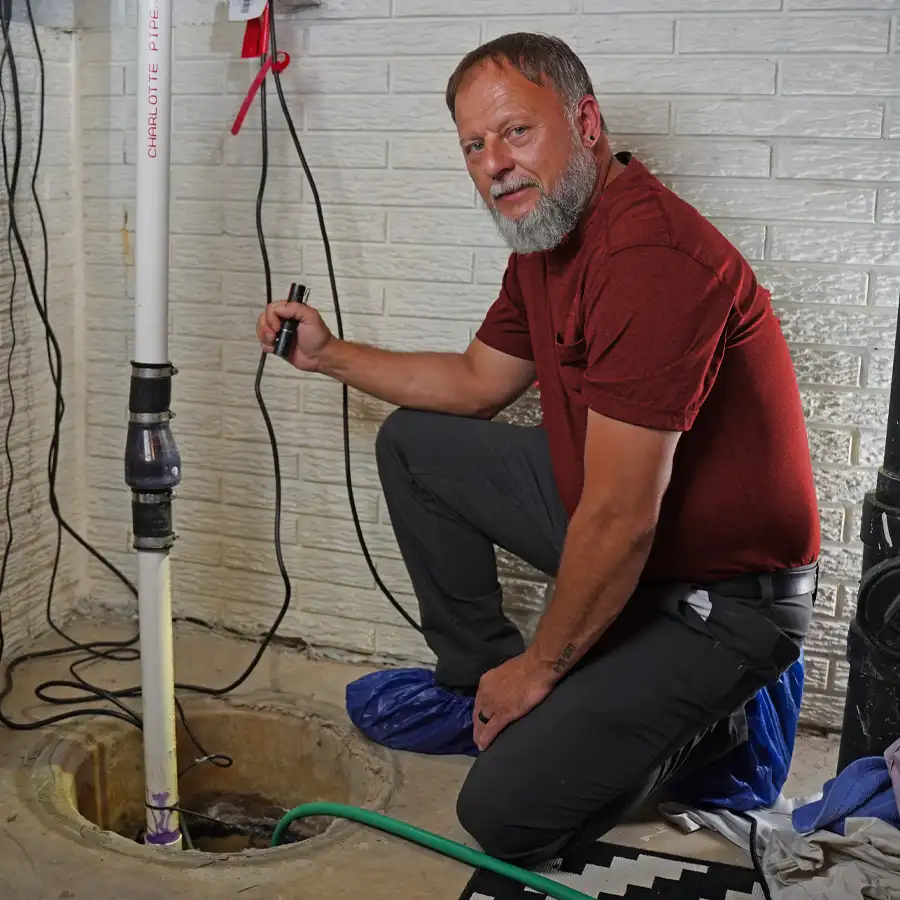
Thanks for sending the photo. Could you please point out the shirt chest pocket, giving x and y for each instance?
(571, 353)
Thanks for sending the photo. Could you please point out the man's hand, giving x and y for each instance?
(507, 693)
(313, 335)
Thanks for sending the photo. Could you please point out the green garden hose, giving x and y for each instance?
(433, 842)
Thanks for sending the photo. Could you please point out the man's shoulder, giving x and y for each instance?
(650, 214)
(639, 218)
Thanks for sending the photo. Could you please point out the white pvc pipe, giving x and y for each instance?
(151, 346)
(154, 134)
(157, 687)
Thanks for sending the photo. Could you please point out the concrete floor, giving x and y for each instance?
(41, 862)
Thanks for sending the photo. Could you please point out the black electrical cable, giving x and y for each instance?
(11, 180)
(124, 650)
(118, 650)
(270, 634)
(754, 856)
(114, 650)
(348, 476)
(264, 170)
(55, 362)
(9, 360)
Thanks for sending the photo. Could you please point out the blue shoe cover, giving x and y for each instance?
(405, 709)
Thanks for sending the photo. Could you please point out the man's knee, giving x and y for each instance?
(395, 444)
(499, 823)
(485, 819)
(395, 431)
(409, 439)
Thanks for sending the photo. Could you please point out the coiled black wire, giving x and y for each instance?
(15, 242)
(110, 650)
(125, 650)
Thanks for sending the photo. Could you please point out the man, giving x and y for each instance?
(669, 489)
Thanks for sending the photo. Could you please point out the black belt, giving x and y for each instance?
(770, 585)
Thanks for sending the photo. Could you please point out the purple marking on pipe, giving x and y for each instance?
(163, 831)
(164, 838)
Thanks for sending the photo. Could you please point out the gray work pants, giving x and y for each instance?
(661, 693)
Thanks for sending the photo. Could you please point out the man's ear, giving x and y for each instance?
(589, 121)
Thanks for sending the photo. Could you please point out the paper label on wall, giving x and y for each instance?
(244, 10)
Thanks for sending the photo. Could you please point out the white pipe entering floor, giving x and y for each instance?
(151, 348)
(157, 678)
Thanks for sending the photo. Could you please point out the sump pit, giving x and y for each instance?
(281, 757)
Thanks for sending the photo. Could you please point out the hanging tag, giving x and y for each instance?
(256, 36)
(244, 10)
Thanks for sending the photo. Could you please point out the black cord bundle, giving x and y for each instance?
(125, 650)
(345, 404)
(122, 651)
(98, 649)
(110, 650)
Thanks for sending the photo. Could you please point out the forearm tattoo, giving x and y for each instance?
(560, 665)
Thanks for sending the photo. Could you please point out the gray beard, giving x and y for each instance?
(556, 213)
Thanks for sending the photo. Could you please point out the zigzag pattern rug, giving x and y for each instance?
(605, 870)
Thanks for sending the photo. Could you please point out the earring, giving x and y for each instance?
(591, 139)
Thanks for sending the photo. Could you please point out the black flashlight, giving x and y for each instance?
(284, 342)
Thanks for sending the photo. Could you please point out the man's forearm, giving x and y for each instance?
(439, 382)
(601, 564)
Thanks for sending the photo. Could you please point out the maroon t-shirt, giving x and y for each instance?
(647, 314)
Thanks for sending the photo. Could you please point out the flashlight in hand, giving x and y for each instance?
(284, 342)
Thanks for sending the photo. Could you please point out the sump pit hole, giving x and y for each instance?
(280, 761)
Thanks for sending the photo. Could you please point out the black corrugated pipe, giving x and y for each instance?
(872, 708)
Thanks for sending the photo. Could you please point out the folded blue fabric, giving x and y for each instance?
(863, 789)
(405, 709)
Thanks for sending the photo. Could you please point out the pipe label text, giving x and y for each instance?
(153, 88)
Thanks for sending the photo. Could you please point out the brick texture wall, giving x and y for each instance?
(776, 118)
(27, 394)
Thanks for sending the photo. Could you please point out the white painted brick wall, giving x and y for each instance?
(26, 400)
(777, 118)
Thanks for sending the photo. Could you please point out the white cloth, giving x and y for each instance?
(863, 862)
(735, 827)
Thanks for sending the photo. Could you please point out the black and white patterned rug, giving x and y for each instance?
(605, 870)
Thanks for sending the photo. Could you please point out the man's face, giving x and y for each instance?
(525, 156)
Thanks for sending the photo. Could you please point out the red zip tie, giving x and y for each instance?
(279, 66)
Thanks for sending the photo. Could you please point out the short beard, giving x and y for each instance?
(556, 213)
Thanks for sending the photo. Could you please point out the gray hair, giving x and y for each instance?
(536, 56)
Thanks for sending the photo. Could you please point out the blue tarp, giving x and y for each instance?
(752, 775)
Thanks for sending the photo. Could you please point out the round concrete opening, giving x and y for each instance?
(281, 758)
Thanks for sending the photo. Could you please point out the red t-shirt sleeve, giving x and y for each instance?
(505, 327)
(655, 326)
